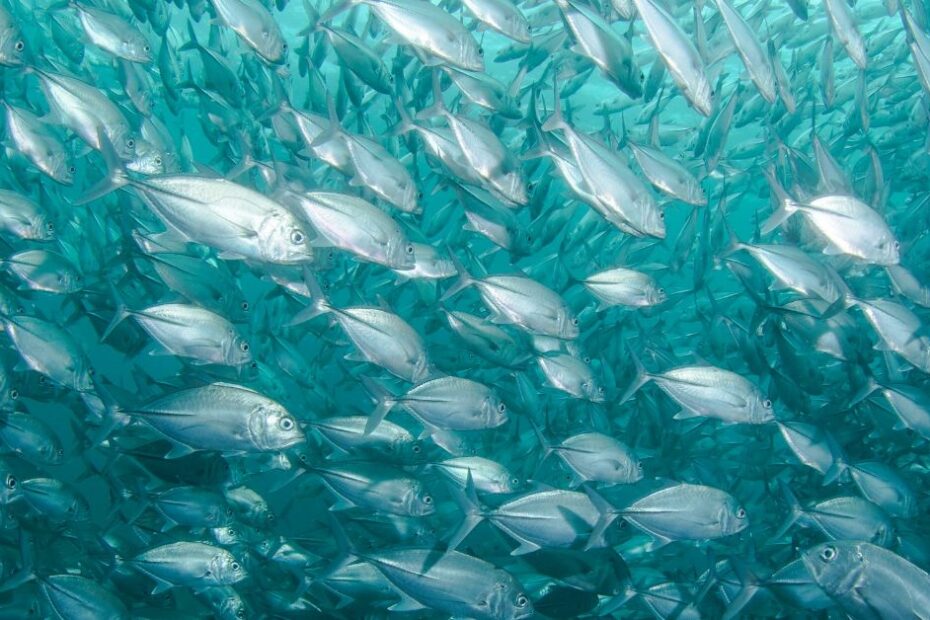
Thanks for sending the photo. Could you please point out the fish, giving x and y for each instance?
(481, 309)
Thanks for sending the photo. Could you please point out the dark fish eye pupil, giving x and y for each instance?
(20, 46)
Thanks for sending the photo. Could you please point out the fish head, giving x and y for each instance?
(631, 78)
(418, 502)
(271, 44)
(655, 295)
(506, 598)
(407, 196)
(283, 239)
(733, 518)
(835, 566)
(149, 160)
(517, 27)
(272, 428)
(10, 490)
(59, 167)
(568, 326)
(592, 391)
(887, 250)
(493, 412)
(409, 451)
(12, 47)
(136, 49)
(51, 452)
(471, 55)
(761, 410)
(41, 228)
(653, 223)
(237, 351)
(506, 482)
(401, 253)
(225, 569)
(702, 94)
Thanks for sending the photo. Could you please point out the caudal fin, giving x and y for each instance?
(468, 500)
(384, 402)
(464, 281)
(607, 515)
(641, 378)
(785, 207)
(318, 302)
(116, 172)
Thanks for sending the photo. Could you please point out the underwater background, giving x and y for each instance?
(478, 309)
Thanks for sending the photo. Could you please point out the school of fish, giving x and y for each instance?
(487, 309)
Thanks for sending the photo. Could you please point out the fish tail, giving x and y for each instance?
(795, 511)
(192, 42)
(116, 173)
(384, 400)
(438, 107)
(641, 378)
(465, 279)
(607, 515)
(556, 121)
(468, 499)
(121, 314)
(318, 304)
(785, 208)
(337, 8)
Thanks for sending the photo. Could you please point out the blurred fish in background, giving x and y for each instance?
(482, 309)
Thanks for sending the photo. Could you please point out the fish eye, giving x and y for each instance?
(10, 482)
(661, 291)
(600, 389)
(767, 403)
(20, 46)
(287, 424)
(284, 47)
(416, 448)
(741, 513)
(480, 51)
(575, 322)
(240, 613)
(235, 566)
(502, 407)
(50, 227)
(244, 346)
(896, 245)
(130, 143)
(14, 394)
(297, 237)
(661, 215)
(419, 195)
(245, 306)
(639, 465)
(828, 554)
(427, 499)
(146, 48)
(157, 160)
(522, 601)
(410, 249)
(71, 169)
(586, 359)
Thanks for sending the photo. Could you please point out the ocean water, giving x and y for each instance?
(480, 309)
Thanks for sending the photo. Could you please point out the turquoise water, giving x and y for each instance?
(464, 310)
